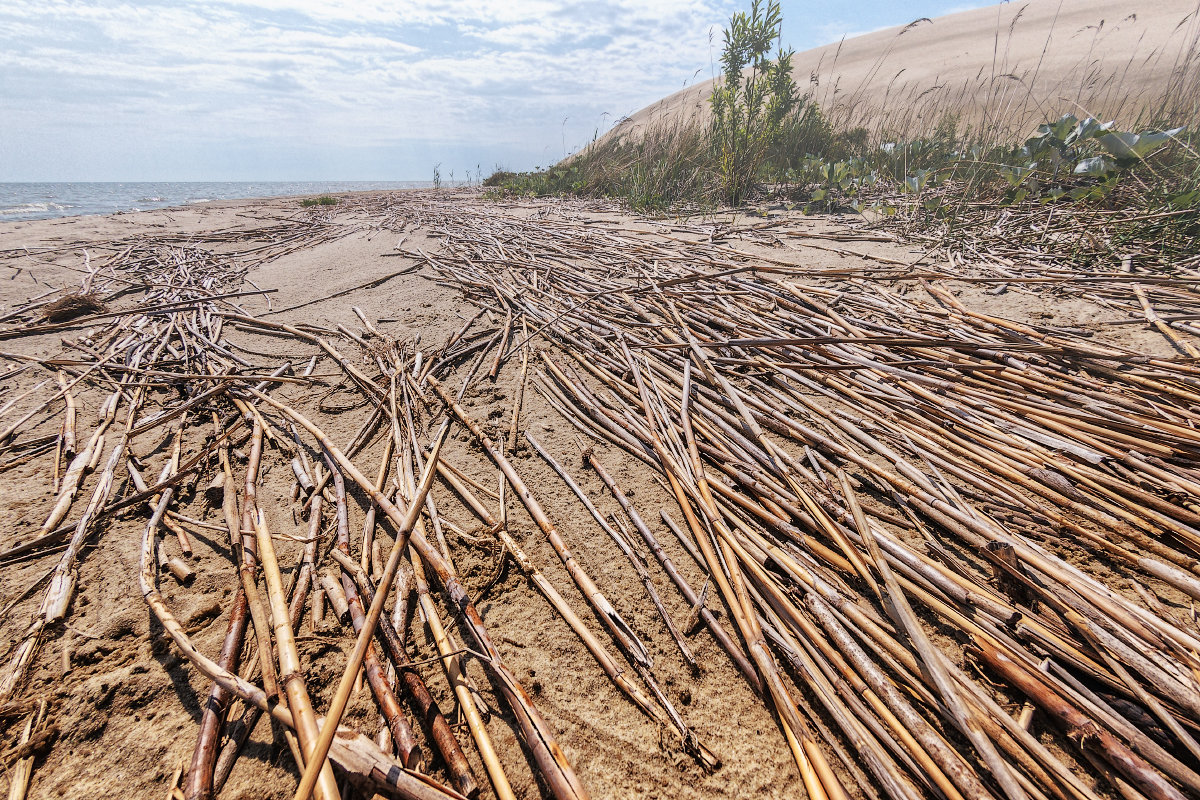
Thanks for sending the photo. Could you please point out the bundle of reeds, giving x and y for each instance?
(932, 536)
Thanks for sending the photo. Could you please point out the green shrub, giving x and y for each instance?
(499, 178)
(323, 200)
(927, 159)
(749, 108)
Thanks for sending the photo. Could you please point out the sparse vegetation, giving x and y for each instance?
(323, 200)
(663, 170)
(932, 161)
(499, 178)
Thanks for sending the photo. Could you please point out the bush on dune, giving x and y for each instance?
(928, 160)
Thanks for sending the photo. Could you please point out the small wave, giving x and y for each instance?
(200, 200)
(151, 200)
(31, 208)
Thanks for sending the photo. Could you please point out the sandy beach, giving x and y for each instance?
(126, 711)
(753, 503)
(148, 699)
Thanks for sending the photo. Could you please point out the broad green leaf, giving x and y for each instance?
(1134, 146)
(1185, 200)
(1096, 165)
(1015, 175)
(1015, 196)
(1087, 129)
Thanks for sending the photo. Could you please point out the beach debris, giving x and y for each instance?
(70, 306)
(908, 523)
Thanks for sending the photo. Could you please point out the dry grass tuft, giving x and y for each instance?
(70, 306)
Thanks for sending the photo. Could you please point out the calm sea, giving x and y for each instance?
(22, 201)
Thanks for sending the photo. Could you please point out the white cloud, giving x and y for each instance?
(495, 76)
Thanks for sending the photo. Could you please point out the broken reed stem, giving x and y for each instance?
(401, 734)
(290, 672)
(624, 546)
(354, 753)
(549, 758)
(380, 481)
(439, 730)
(404, 525)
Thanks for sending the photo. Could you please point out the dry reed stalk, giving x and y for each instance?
(79, 464)
(439, 729)
(607, 662)
(401, 734)
(201, 784)
(519, 400)
(457, 678)
(290, 671)
(550, 759)
(380, 480)
(355, 754)
(68, 434)
(404, 527)
(21, 773)
(622, 544)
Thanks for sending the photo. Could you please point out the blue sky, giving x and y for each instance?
(353, 89)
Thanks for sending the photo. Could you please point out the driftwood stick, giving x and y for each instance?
(389, 706)
(439, 730)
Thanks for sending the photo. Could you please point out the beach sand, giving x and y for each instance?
(127, 711)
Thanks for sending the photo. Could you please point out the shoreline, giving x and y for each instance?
(20, 201)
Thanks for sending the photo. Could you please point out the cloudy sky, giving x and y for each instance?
(353, 89)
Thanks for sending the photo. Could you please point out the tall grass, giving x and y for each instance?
(929, 153)
(669, 167)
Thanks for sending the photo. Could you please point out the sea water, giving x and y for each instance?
(24, 201)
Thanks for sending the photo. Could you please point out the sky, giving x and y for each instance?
(178, 90)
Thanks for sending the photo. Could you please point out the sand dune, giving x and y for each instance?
(1011, 65)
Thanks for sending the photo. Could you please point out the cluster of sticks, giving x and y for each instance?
(1028, 241)
(853, 469)
(853, 466)
(164, 364)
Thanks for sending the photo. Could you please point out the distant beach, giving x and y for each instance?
(27, 201)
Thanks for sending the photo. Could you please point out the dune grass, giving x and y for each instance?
(932, 158)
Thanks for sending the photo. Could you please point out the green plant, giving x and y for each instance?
(499, 178)
(933, 160)
(667, 167)
(437, 175)
(323, 200)
(755, 95)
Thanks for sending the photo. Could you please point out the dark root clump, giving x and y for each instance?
(71, 306)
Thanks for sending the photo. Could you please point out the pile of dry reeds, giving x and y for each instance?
(933, 536)
(853, 466)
